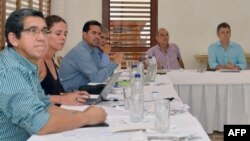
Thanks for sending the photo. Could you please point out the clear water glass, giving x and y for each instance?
(162, 113)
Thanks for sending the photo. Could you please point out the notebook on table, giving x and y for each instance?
(106, 90)
(92, 89)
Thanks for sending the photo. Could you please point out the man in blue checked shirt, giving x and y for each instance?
(24, 108)
(226, 54)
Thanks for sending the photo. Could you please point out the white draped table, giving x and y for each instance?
(182, 122)
(215, 98)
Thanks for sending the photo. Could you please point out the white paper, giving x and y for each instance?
(115, 96)
(76, 108)
(93, 84)
(88, 133)
(124, 124)
(93, 96)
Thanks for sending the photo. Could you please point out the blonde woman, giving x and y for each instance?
(50, 81)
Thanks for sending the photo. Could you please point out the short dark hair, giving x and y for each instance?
(223, 25)
(52, 19)
(14, 23)
(87, 25)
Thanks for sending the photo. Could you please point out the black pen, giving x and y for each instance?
(170, 98)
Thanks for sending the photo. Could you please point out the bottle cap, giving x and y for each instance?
(134, 66)
(137, 75)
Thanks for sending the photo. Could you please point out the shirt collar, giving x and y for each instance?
(26, 63)
(159, 48)
(219, 44)
(86, 45)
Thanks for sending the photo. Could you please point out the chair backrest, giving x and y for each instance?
(181, 63)
(210, 69)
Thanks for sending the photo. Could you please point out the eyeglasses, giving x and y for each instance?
(35, 31)
(105, 38)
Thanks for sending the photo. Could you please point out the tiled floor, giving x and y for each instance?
(216, 136)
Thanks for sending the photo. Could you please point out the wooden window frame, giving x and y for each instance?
(3, 13)
(153, 24)
(18, 6)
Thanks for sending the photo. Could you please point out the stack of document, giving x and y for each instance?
(176, 108)
(123, 123)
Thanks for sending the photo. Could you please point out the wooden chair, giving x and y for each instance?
(181, 63)
(210, 69)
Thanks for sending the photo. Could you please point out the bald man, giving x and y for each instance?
(167, 54)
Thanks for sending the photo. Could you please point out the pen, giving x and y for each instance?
(170, 98)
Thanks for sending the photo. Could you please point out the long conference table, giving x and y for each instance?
(215, 98)
(183, 125)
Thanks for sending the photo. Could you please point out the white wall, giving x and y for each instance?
(76, 13)
(192, 23)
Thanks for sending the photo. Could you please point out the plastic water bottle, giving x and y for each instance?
(133, 72)
(140, 69)
(136, 102)
(152, 61)
(149, 60)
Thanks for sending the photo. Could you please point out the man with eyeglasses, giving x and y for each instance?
(104, 48)
(24, 108)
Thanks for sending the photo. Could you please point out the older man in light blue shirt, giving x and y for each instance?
(83, 64)
(226, 54)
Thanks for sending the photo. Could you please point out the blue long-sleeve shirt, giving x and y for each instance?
(217, 55)
(104, 58)
(82, 65)
(23, 104)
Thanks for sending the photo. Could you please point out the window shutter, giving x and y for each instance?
(35, 4)
(2, 19)
(25, 4)
(42, 5)
(45, 7)
(130, 23)
(11, 5)
(8, 6)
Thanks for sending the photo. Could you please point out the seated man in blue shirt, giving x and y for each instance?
(226, 54)
(24, 108)
(82, 65)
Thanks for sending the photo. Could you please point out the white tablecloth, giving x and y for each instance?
(215, 98)
(183, 122)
